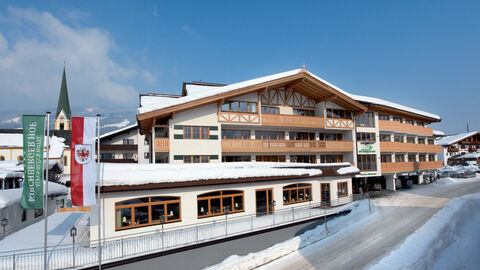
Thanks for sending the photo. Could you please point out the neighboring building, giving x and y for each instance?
(293, 116)
(460, 144)
(120, 146)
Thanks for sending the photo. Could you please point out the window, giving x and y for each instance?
(342, 189)
(302, 136)
(431, 157)
(236, 158)
(399, 158)
(303, 112)
(385, 138)
(24, 215)
(412, 157)
(128, 141)
(269, 135)
(38, 213)
(107, 156)
(397, 119)
(215, 203)
(270, 110)
(365, 120)
(20, 158)
(297, 193)
(422, 157)
(422, 124)
(421, 140)
(398, 138)
(196, 159)
(65, 161)
(386, 158)
(410, 139)
(146, 211)
(239, 106)
(333, 136)
(431, 141)
(331, 158)
(383, 117)
(408, 121)
(127, 155)
(236, 134)
(146, 155)
(303, 159)
(365, 137)
(270, 158)
(160, 132)
(2, 158)
(337, 113)
(195, 132)
(367, 162)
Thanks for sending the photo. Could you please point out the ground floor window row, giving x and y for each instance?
(155, 210)
(282, 158)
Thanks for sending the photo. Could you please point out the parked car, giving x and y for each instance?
(466, 173)
(445, 173)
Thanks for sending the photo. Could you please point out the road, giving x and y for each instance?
(398, 217)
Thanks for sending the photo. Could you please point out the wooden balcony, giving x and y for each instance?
(409, 147)
(275, 146)
(162, 145)
(239, 118)
(339, 123)
(392, 167)
(281, 120)
(404, 128)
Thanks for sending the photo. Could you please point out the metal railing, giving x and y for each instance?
(136, 244)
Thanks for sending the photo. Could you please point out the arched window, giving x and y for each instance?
(217, 202)
(2, 158)
(146, 211)
(297, 193)
(20, 158)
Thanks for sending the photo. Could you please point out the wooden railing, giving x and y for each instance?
(391, 167)
(292, 121)
(339, 123)
(162, 145)
(409, 147)
(231, 145)
(403, 127)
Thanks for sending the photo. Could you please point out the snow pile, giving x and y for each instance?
(359, 213)
(421, 250)
(57, 145)
(11, 196)
(446, 181)
(114, 174)
(346, 170)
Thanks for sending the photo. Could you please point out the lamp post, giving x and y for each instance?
(73, 233)
(162, 221)
(273, 210)
(225, 210)
(58, 203)
(4, 225)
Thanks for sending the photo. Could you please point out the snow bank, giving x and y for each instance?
(358, 214)
(12, 196)
(446, 181)
(421, 249)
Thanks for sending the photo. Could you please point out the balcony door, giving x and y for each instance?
(264, 201)
(325, 191)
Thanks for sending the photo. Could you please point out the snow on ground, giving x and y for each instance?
(446, 181)
(449, 240)
(59, 225)
(309, 239)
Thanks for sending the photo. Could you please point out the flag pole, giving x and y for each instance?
(98, 194)
(45, 203)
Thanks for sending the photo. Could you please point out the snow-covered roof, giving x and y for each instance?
(120, 130)
(11, 140)
(139, 174)
(447, 140)
(386, 103)
(149, 100)
(12, 196)
(4, 173)
(57, 144)
(438, 133)
(12, 165)
(196, 92)
(469, 156)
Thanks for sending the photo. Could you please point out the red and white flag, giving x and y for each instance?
(82, 178)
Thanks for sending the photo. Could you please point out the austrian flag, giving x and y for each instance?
(82, 174)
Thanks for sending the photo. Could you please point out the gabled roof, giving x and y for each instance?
(118, 131)
(447, 140)
(301, 77)
(63, 103)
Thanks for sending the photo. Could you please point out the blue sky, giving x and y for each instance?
(424, 54)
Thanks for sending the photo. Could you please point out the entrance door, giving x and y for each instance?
(264, 201)
(325, 191)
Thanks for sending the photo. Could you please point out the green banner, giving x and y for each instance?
(33, 136)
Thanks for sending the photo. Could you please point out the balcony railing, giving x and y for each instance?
(232, 145)
(162, 145)
(405, 128)
(292, 121)
(409, 147)
(391, 167)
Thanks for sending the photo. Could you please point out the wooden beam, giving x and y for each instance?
(330, 98)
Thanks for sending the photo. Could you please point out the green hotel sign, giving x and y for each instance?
(366, 148)
(33, 136)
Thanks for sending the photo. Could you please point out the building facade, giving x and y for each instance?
(454, 146)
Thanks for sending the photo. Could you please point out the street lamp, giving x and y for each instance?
(58, 203)
(225, 210)
(162, 221)
(273, 210)
(4, 225)
(73, 233)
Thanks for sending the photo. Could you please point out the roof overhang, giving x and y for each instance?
(401, 113)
